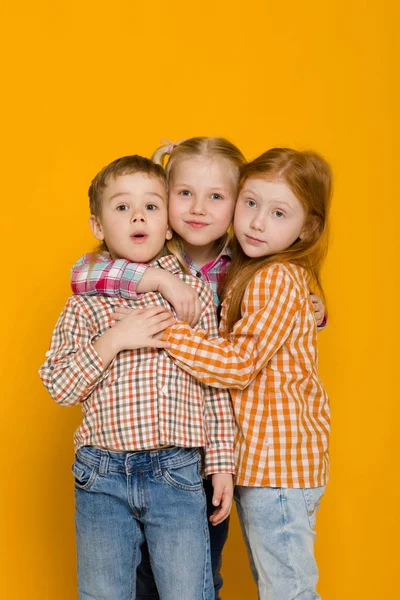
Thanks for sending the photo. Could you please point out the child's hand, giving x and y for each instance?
(183, 298)
(222, 497)
(179, 294)
(319, 308)
(138, 328)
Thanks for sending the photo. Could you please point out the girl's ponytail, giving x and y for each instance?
(159, 155)
(165, 150)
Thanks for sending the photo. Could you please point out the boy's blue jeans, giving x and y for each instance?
(146, 588)
(278, 528)
(123, 499)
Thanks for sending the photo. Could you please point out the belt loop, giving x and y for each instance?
(104, 460)
(155, 464)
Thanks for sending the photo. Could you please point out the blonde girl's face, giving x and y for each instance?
(202, 197)
(269, 218)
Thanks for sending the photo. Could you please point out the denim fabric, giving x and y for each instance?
(146, 588)
(278, 528)
(123, 499)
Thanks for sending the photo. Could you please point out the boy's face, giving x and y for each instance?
(134, 217)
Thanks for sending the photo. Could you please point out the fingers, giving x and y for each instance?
(217, 496)
(163, 317)
(155, 343)
(195, 314)
(161, 324)
(121, 312)
(223, 511)
(180, 311)
(124, 310)
(190, 312)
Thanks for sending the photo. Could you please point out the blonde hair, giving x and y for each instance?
(309, 177)
(170, 154)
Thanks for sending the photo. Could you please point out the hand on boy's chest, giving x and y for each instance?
(105, 306)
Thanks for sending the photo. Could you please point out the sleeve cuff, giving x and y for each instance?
(219, 460)
(175, 332)
(130, 279)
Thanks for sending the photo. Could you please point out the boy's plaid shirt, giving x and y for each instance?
(269, 362)
(142, 400)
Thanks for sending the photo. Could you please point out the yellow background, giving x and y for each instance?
(86, 82)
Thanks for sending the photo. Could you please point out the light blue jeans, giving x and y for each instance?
(278, 528)
(123, 499)
(146, 588)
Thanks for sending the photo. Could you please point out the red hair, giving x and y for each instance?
(309, 177)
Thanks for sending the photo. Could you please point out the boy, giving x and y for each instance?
(144, 420)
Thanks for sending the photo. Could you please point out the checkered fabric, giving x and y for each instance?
(119, 278)
(213, 273)
(96, 274)
(269, 362)
(142, 400)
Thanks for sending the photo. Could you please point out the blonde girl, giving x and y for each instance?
(267, 357)
(203, 178)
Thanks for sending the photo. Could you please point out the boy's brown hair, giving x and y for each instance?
(126, 165)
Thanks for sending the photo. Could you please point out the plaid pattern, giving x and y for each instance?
(213, 273)
(98, 275)
(120, 278)
(142, 400)
(270, 363)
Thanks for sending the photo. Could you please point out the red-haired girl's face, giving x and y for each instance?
(268, 217)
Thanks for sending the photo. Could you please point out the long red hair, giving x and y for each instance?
(310, 179)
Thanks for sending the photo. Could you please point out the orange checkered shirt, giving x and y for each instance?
(269, 361)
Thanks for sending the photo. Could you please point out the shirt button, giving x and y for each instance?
(198, 274)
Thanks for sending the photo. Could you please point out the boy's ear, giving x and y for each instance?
(169, 234)
(96, 228)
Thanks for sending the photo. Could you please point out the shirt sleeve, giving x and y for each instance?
(219, 418)
(73, 367)
(106, 277)
(270, 309)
